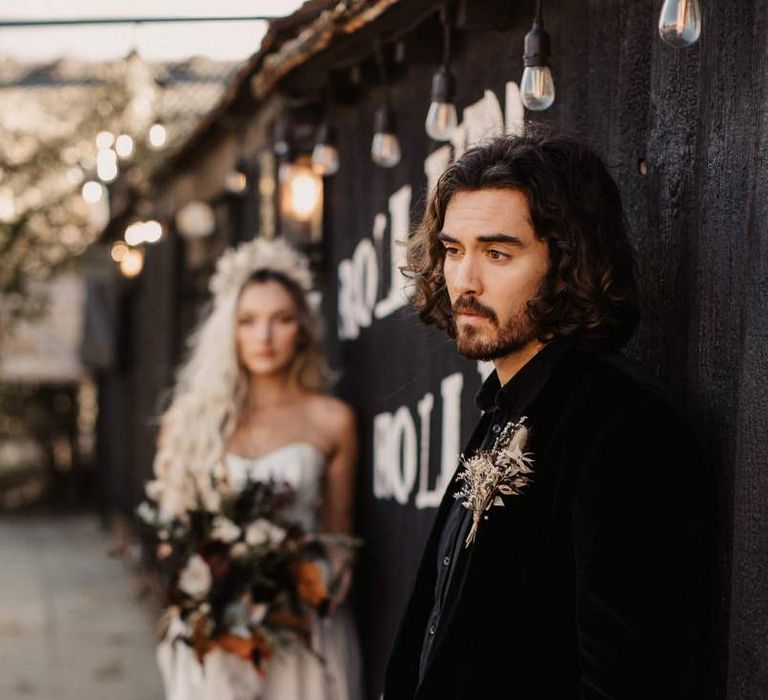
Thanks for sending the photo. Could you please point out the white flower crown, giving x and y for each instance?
(236, 265)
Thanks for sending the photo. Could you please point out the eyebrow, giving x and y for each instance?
(490, 238)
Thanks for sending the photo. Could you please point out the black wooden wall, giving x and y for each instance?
(683, 132)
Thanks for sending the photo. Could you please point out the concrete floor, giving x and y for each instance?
(72, 626)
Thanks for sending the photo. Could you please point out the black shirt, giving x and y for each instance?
(499, 405)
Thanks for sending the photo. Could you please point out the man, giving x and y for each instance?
(584, 577)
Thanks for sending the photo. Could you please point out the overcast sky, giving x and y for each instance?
(219, 40)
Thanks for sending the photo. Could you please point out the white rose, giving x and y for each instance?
(195, 579)
(277, 534)
(147, 513)
(262, 531)
(224, 529)
(257, 532)
(154, 489)
(239, 549)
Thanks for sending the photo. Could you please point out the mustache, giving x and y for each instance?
(472, 305)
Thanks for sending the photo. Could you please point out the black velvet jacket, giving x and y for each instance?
(594, 583)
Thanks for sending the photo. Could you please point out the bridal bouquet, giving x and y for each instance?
(242, 578)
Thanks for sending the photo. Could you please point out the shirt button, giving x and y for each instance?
(446, 561)
(432, 629)
(496, 428)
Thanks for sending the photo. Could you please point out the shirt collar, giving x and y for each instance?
(519, 391)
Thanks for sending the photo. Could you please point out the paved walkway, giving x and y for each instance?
(71, 624)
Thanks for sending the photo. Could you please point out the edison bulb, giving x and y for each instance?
(385, 147)
(325, 159)
(442, 121)
(236, 182)
(680, 22)
(385, 150)
(537, 88)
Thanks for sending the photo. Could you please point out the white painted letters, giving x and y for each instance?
(398, 455)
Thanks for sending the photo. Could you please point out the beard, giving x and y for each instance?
(486, 344)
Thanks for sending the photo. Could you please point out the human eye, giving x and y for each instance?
(494, 254)
(284, 318)
(451, 250)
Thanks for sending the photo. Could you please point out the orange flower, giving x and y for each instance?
(309, 583)
(247, 648)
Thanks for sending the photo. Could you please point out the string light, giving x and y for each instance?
(196, 220)
(236, 181)
(124, 146)
(442, 119)
(106, 165)
(104, 140)
(141, 232)
(157, 136)
(385, 147)
(325, 155)
(537, 87)
(281, 139)
(153, 231)
(680, 22)
(132, 263)
(119, 251)
(92, 192)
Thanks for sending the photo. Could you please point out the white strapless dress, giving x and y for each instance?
(293, 673)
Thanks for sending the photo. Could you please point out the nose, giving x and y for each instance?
(467, 277)
(263, 332)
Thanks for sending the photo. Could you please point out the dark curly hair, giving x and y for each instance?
(590, 291)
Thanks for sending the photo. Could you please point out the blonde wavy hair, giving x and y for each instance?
(212, 385)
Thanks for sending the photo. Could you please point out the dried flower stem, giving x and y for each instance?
(488, 474)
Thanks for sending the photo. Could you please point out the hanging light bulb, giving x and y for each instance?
(385, 148)
(325, 155)
(680, 22)
(281, 138)
(442, 119)
(236, 181)
(537, 88)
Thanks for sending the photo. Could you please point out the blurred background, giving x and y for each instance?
(82, 102)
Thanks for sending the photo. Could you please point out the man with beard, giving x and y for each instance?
(582, 573)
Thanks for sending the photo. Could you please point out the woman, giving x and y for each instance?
(250, 404)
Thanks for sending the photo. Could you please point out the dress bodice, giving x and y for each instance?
(300, 464)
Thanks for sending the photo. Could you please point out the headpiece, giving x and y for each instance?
(236, 265)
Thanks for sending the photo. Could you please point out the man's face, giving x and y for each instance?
(493, 266)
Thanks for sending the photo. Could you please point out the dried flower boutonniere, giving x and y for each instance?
(490, 474)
